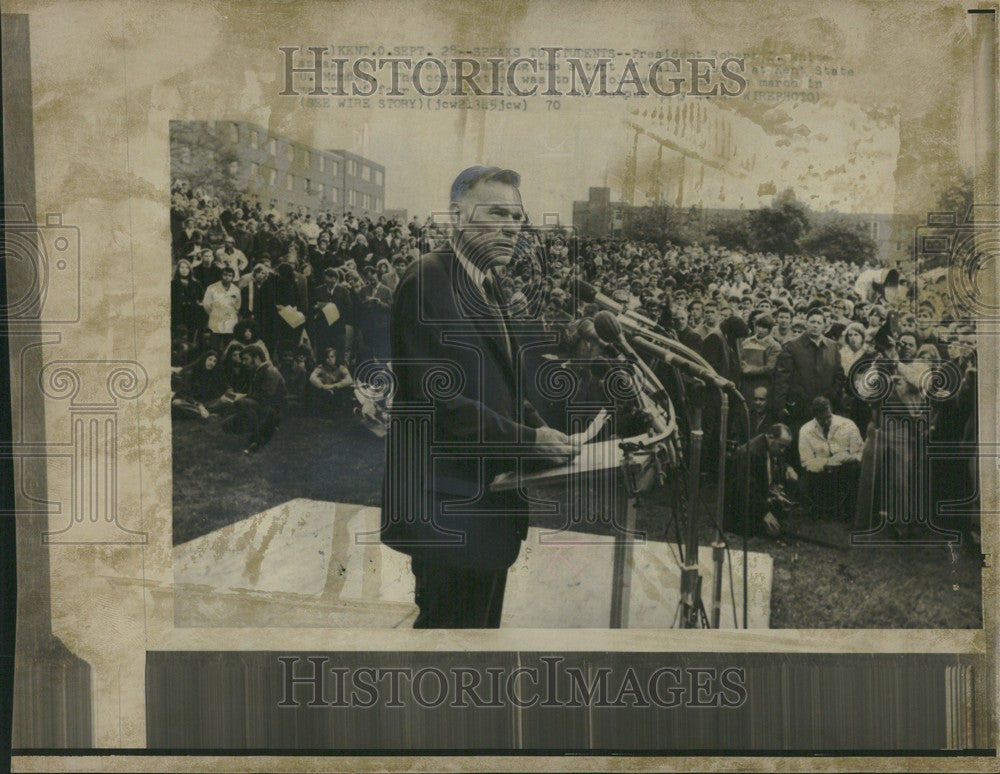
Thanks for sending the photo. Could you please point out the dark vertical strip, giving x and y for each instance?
(8, 535)
(51, 702)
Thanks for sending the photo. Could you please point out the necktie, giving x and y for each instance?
(494, 296)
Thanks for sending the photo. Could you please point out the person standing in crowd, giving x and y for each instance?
(259, 304)
(783, 325)
(685, 334)
(231, 257)
(222, 302)
(374, 302)
(460, 553)
(709, 321)
(328, 326)
(287, 298)
(206, 267)
(186, 294)
(853, 346)
(807, 367)
(758, 356)
(830, 454)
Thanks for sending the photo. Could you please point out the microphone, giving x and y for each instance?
(610, 331)
(694, 369)
(590, 294)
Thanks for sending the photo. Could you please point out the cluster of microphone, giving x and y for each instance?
(644, 334)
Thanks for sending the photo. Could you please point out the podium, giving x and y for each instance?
(630, 464)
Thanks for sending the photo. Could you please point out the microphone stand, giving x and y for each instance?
(693, 611)
(718, 546)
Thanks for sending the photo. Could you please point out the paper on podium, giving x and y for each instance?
(292, 316)
(331, 313)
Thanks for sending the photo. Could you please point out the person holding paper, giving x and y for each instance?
(456, 364)
(331, 311)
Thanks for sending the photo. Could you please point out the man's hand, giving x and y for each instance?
(790, 474)
(555, 443)
(773, 527)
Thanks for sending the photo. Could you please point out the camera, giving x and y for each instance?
(43, 268)
(960, 252)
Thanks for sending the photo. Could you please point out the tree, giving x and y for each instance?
(204, 159)
(661, 223)
(957, 197)
(733, 233)
(841, 240)
(778, 228)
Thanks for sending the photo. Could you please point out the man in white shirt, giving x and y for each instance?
(309, 229)
(222, 301)
(830, 454)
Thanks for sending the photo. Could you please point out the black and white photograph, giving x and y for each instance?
(521, 385)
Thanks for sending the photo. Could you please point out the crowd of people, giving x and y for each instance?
(272, 311)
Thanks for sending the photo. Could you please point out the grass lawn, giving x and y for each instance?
(815, 586)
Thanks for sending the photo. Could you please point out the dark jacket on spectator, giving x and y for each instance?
(267, 387)
(805, 370)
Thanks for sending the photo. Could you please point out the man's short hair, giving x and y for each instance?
(254, 351)
(228, 270)
(764, 321)
(820, 405)
(779, 431)
(472, 176)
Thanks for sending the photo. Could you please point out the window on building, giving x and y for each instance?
(322, 190)
(334, 168)
(378, 204)
(234, 132)
(272, 175)
(254, 169)
(308, 185)
(352, 167)
(365, 201)
(352, 197)
(289, 182)
(308, 158)
(253, 138)
(322, 163)
(272, 147)
(334, 195)
(379, 177)
(290, 152)
(366, 172)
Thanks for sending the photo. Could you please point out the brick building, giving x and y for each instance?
(282, 172)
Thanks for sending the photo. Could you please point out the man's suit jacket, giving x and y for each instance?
(805, 370)
(456, 387)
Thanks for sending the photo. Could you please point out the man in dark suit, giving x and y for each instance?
(459, 416)
(808, 366)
